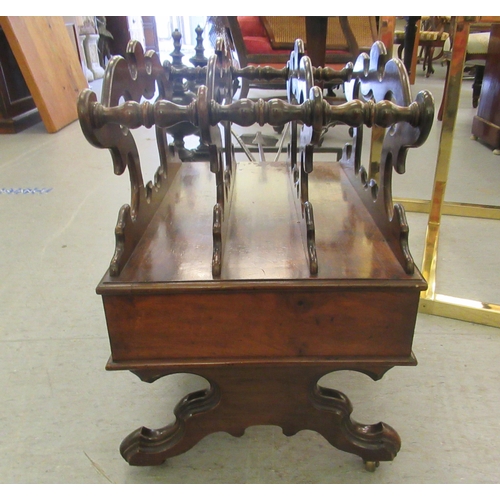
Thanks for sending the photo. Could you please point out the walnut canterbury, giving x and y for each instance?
(253, 288)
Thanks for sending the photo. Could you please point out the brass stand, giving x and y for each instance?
(432, 302)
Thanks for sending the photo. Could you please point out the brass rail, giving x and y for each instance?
(431, 302)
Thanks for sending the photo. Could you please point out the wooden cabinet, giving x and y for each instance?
(486, 125)
(49, 65)
(17, 108)
(126, 28)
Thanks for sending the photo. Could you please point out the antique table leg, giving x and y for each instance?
(242, 395)
(410, 34)
(316, 29)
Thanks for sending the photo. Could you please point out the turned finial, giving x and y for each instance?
(177, 55)
(199, 58)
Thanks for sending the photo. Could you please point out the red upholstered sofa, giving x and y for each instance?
(268, 40)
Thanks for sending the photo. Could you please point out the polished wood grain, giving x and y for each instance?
(49, 64)
(360, 286)
(254, 394)
(131, 78)
(264, 328)
(264, 240)
(486, 124)
(380, 78)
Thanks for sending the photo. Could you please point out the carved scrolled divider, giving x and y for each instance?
(221, 151)
(312, 113)
(377, 79)
(130, 78)
(379, 94)
(300, 89)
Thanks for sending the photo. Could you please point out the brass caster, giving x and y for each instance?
(371, 466)
(496, 151)
(473, 137)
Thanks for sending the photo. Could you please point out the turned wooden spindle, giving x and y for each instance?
(268, 73)
(134, 115)
(196, 74)
(329, 75)
(260, 73)
(246, 112)
(382, 114)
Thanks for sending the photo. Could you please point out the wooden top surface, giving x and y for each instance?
(264, 243)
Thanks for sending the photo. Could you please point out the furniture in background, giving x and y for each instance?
(226, 271)
(90, 45)
(435, 34)
(49, 65)
(268, 41)
(486, 124)
(475, 57)
(427, 33)
(17, 107)
(407, 40)
(118, 26)
(432, 302)
(475, 52)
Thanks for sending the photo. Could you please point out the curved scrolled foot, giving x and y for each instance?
(153, 446)
(288, 396)
(373, 443)
(147, 446)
